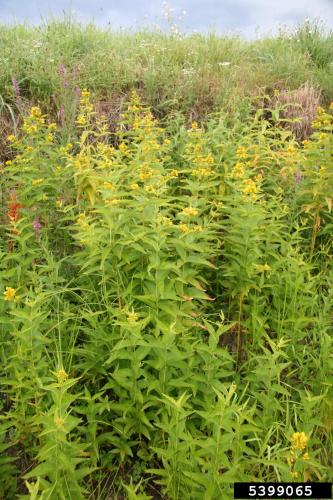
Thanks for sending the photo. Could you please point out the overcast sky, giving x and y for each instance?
(242, 16)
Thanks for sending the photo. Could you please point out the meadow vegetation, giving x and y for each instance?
(166, 263)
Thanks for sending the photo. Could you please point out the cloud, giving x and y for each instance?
(243, 16)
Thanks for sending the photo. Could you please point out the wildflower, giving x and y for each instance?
(145, 172)
(59, 422)
(13, 211)
(61, 375)
(35, 112)
(238, 171)
(306, 456)
(294, 475)
(132, 316)
(114, 201)
(298, 177)
(194, 125)
(266, 267)
(52, 126)
(85, 93)
(134, 186)
(184, 228)
(249, 187)
(241, 152)
(37, 227)
(68, 146)
(299, 441)
(11, 138)
(81, 120)
(173, 173)
(122, 147)
(36, 182)
(165, 221)
(16, 89)
(82, 220)
(108, 185)
(49, 137)
(189, 211)
(10, 294)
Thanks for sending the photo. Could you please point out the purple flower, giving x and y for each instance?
(298, 177)
(16, 88)
(62, 70)
(62, 114)
(37, 227)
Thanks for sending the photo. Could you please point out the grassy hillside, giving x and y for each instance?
(195, 74)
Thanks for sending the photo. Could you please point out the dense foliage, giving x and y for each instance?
(166, 306)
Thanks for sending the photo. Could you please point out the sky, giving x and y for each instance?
(249, 18)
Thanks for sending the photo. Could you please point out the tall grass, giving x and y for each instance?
(188, 73)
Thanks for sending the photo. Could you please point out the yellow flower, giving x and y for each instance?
(249, 187)
(238, 171)
(35, 112)
(294, 475)
(132, 316)
(85, 93)
(299, 441)
(173, 173)
(306, 456)
(189, 211)
(52, 126)
(241, 152)
(10, 294)
(115, 201)
(134, 186)
(194, 125)
(145, 173)
(165, 221)
(68, 146)
(59, 422)
(331, 105)
(266, 267)
(61, 375)
(122, 147)
(81, 120)
(184, 228)
(49, 137)
(35, 182)
(11, 138)
(108, 185)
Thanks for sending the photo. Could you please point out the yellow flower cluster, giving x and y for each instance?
(238, 171)
(34, 121)
(249, 187)
(132, 316)
(145, 172)
(61, 375)
(241, 152)
(299, 441)
(10, 294)
(189, 212)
